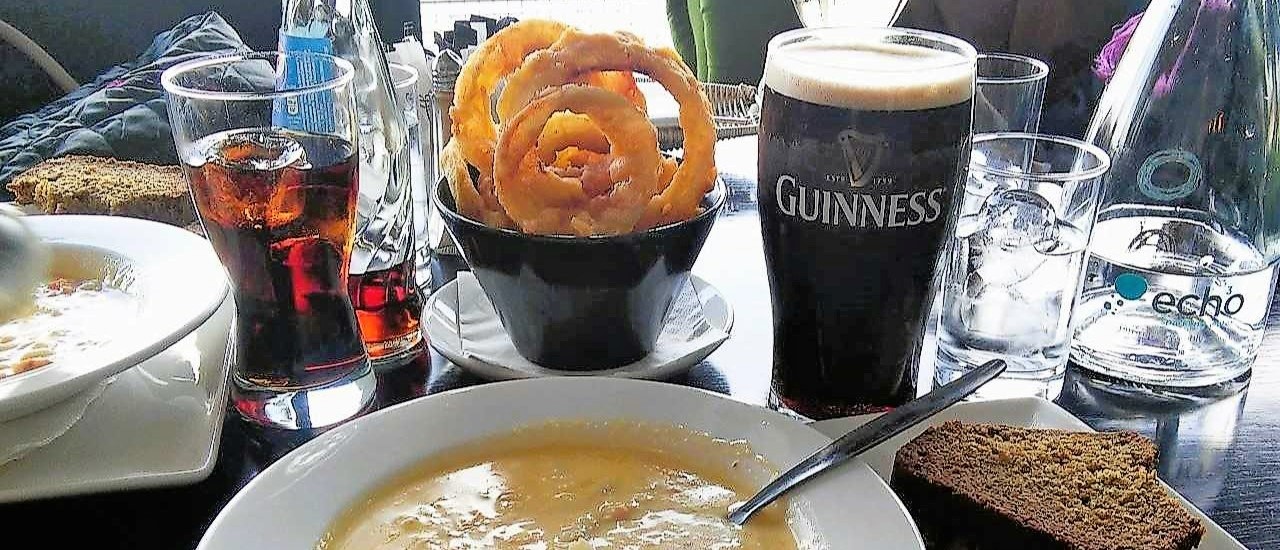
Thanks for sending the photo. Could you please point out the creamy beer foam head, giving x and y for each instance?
(858, 73)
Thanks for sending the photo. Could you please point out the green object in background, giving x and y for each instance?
(728, 37)
(693, 8)
(682, 31)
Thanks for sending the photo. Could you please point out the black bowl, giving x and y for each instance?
(581, 303)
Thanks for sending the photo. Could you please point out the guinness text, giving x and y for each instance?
(829, 207)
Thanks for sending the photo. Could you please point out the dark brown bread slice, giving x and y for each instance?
(986, 487)
(91, 185)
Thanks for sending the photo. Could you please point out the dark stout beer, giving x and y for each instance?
(863, 139)
(279, 208)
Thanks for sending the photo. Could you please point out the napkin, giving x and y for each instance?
(24, 434)
(686, 332)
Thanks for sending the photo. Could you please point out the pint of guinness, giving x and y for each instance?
(864, 136)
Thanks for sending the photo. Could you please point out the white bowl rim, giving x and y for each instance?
(286, 475)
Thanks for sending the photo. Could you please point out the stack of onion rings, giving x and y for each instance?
(497, 57)
(577, 53)
(575, 153)
(541, 201)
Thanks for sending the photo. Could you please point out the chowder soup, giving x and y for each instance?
(70, 316)
(571, 486)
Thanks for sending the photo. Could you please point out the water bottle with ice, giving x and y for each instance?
(1182, 263)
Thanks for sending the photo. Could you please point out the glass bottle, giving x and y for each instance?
(382, 282)
(1183, 258)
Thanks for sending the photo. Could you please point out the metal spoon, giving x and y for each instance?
(868, 435)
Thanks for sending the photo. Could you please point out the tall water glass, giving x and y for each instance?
(1015, 264)
(1008, 98)
(404, 81)
(279, 207)
(1010, 93)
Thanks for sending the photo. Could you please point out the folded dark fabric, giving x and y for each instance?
(1066, 34)
(120, 114)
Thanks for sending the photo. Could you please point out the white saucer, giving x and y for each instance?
(442, 331)
(157, 425)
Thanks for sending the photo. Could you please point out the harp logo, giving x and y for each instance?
(861, 155)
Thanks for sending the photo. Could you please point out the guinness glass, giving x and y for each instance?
(864, 135)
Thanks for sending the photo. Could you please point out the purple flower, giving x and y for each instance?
(1105, 65)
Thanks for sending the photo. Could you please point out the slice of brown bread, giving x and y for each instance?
(91, 185)
(987, 486)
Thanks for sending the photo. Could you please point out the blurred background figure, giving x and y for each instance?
(1069, 35)
(725, 39)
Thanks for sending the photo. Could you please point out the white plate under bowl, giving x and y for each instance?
(173, 273)
(156, 425)
(441, 326)
(1030, 412)
(291, 504)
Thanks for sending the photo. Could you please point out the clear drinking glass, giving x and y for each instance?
(1010, 93)
(1008, 98)
(1015, 264)
(278, 202)
(837, 13)
(404, 81)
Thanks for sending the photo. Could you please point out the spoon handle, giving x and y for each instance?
(869, 435)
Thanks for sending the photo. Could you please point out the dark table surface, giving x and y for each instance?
(1221, 452)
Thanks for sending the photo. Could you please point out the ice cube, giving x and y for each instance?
(257, 151)
(1016, 218)
(1013, 229)
(1003, 313)
(1000, 263)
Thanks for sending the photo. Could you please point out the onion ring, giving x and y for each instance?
(577, 53)
(666, 172)
(591, 168)
(465, 196)
(494, 59)
(566, 130)
(542, 202)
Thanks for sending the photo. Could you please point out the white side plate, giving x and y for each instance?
(1028, 412)
(157, 425)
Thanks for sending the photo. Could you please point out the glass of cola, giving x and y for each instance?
(267, 142)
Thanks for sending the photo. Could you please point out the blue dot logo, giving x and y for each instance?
(1131, 286)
